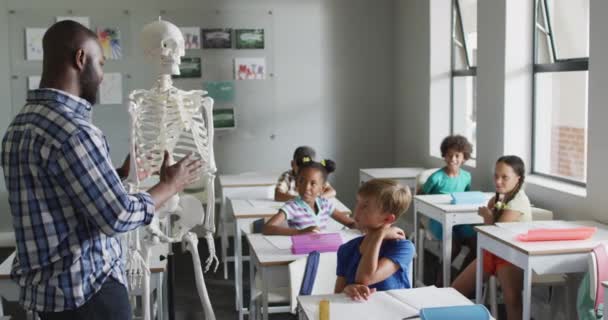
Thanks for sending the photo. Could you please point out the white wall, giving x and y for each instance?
(500, 94)
(333, 87)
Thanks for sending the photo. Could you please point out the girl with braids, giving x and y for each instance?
(510, 204)
(308, 212)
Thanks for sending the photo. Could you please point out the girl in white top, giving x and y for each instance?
(510, 204)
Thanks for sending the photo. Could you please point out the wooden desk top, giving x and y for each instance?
(507, 233)
(392, 173)
(264, 208)
(156, 264)
(276, 250)
(254, 179)
(443, 202)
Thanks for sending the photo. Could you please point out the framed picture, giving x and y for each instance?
(224, 119)
(217, 38)
(249, 38)
(33, 82)
(110, 42)
(249, 69)
(220, 91)
(189, 68)
(33, 43)
(192, 37)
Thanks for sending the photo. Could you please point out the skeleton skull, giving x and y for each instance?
(163, 44)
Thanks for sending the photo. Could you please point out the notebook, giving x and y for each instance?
(468, 197)
(322, 242)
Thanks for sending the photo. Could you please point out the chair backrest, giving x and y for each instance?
(325, 279)
(590, 292)
(539, 214)
(423, 176)
(7, 235)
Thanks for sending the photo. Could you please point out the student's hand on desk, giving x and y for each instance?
(358, 292)
(311, 229)
(486, 214)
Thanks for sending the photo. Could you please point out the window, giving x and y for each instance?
(464, 70)
(561, 57)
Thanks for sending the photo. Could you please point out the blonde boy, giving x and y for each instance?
(380, 259)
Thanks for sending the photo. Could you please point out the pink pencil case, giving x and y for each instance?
(579, 233)
(322, 242)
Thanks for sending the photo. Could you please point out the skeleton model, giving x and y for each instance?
(166, 118)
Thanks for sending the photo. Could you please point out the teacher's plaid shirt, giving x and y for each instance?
(67, 203)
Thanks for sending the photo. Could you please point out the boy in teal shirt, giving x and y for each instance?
(455, 150)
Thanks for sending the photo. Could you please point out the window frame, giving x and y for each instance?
(469, 71)
(557, 65)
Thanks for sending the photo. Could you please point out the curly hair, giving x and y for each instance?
(458, 143)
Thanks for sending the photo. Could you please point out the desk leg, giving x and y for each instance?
(224, 237)
(479, 275)
(160, 311)
(527, 295)
(252, 304)
(419, 252)
(605, 303)
(1, 308)
(238, 272)
(264, 293)
(447, 253)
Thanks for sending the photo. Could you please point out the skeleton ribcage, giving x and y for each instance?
(175, 125)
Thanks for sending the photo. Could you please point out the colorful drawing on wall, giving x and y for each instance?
(249, 38)
(192, 37)
(220, 91)
(249, 68)
(110, 90)
(33, 82)
(189, 68)
(33, 43)
(217, 38)
(85, 21)
(110, 42)
(224, 118)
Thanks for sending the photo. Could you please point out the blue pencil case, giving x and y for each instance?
(469, 197)
(470, 312)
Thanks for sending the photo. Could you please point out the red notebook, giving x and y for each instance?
(322, 242)
(579, 233)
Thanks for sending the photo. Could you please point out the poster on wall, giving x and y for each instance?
(249, 68)
(192, 37)
(33, 43)
(33, 82)
(249, 38)
(224, 118)
(85, 21)
(217, 38)
(189, 68)
(220, 91)
(110, 42)
(110, 90)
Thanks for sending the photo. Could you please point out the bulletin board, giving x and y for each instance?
(253, 101)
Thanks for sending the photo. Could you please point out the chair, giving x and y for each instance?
(324, 280)
(7, 234)
(548, 280)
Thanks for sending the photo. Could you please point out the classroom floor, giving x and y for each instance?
(187, 303)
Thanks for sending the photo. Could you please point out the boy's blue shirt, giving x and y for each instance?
(401, 252)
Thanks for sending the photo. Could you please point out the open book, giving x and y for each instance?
(393, 304)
